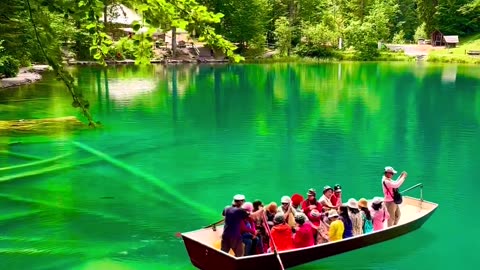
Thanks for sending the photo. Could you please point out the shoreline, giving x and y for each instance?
(29, 75)
(26, 75)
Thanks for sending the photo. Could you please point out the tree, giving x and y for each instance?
(426, 12)
(87, 13)
(451, 19)
(283, 33)
(376, 27)
(420, 33)
(406, 19)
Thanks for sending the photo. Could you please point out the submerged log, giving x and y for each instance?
(41, 126)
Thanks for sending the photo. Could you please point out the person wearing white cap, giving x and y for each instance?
(325, 199)
(288, 211)
(234, 216)
(390, 187)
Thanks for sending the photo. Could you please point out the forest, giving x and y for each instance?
(43, 31)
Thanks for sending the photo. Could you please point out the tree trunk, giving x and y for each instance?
(105, 10)
(174, 41)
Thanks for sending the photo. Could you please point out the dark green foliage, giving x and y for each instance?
(452, 20)
(9, 66)
(305, 50)
(368, 51)
(406, 19)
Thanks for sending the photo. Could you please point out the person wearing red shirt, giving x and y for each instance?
(311, 203)
(304, 235)
(281, 234)
(336, 198)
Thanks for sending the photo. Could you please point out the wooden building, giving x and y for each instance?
(450, 41)
(438, 39)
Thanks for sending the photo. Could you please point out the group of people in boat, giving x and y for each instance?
(254, 228)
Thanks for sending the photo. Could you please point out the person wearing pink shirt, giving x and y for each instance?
(378, 213)
(304, 233)
(388, 189)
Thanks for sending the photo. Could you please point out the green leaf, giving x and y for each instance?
(81, 3)
(105, 49)
(97, 56)
(136, 42)
(90, 26)
(136, 26)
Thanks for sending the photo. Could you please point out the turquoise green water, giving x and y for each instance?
(178, 143)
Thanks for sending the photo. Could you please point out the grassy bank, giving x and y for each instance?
(458, 54)
(338, 56)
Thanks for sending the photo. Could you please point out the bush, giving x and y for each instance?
(420, 33)
(399, 38)
(9, 66)
(368, 51)
(123, 49)
(306, 50)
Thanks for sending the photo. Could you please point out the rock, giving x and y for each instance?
(40, 68)
(21, 79)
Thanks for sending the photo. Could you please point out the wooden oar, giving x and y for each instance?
(179, 234)
(267, 228)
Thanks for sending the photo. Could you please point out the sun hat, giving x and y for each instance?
(363, 203)
(390, 169)
(332, 213)
(311, 192)
(377, 200)
(337, 188)
(325, 188)
(272, 207)
(285, 199)
(239, 197)
(278, 218)
(248, 206)
(352, 203)
(297, 199)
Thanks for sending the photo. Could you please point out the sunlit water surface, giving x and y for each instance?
(177, 143)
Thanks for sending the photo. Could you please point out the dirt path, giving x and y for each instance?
(413, 49)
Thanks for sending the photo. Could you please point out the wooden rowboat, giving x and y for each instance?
(204, 253)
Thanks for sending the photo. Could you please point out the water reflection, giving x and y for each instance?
(208, 132)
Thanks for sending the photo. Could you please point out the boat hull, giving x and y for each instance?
(208, 258)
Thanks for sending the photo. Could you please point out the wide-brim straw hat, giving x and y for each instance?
(332, 213)
(363, 203)
(352, 203)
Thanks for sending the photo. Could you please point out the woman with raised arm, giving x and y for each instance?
(389, 188)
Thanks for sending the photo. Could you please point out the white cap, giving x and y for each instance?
(239, 197)
(377, 200)
(390, 169)
(285, 199)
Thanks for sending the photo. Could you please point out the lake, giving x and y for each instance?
(177, 143)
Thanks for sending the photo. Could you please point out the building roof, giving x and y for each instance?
(451, 39)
